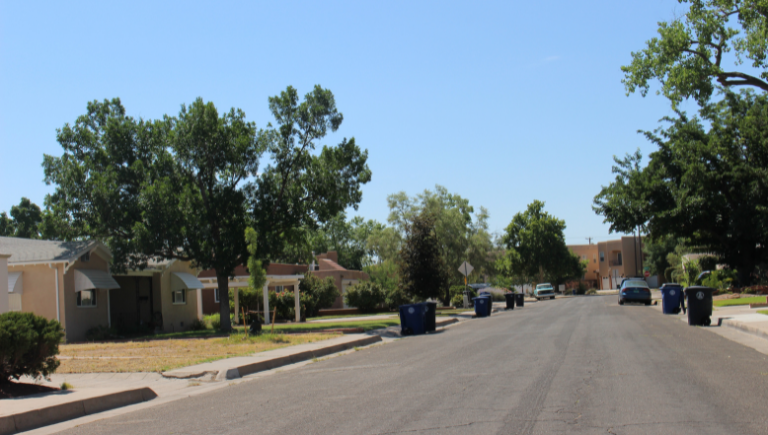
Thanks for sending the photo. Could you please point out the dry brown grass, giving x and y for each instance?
(163, 355)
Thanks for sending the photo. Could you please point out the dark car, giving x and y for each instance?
(635, 290)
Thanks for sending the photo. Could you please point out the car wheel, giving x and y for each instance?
(552, 297)
(648, 303)
(621, 302)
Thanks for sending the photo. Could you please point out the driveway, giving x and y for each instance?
(581, 365)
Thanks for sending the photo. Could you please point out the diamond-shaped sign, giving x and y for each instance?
(466, 268)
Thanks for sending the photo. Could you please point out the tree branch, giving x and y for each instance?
(743, 80)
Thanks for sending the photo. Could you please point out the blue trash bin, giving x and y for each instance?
(671, 298)
(482, 306)
(412, 319)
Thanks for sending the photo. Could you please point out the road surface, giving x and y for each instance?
(581, 365)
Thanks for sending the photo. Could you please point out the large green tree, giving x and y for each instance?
(707, 183)
(536, 247)
(24, 222)
(690, 56)
(422, 269)
(187, 187)
(461, 232)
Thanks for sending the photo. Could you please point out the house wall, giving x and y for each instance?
(5, 305)
(176, 317)
(39, 289)
(590, 253)
(80, 319)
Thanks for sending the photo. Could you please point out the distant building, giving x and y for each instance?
(612, 260)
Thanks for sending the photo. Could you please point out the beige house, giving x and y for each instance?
(163, 297)
(66, 281)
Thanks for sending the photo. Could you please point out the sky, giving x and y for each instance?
(500, 102)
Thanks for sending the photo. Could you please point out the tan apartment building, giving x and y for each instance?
(589, 253)
(612, 260)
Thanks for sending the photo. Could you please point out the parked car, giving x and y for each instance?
(544, 291)
(635, 290)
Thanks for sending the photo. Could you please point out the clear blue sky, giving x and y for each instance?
(501, 102)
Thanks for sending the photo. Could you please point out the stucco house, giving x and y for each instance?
(66, 281)
(165, 296)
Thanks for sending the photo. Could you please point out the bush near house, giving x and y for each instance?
(396, 296)
(28, 345)
(457, 295)
(314, 294)
(366, 296)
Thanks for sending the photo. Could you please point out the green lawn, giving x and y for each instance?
(367, 325)
(342, 316)
(763, 312)
(740, 301)
(452, 312)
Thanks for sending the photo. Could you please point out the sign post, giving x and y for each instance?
(465, 269)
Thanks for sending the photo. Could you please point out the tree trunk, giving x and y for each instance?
(223, 283)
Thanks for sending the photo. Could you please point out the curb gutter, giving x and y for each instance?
(24, 421)
(745, 328)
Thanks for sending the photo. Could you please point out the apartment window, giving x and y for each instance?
(279, 288)
(618, 259)
(602, 256)
(86, 298)
(180, 296)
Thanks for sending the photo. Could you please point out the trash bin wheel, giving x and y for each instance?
(552, 297)
(707, 321)
(648, 303)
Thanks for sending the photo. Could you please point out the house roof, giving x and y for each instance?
(30, 251)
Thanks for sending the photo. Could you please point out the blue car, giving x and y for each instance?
(635, 290)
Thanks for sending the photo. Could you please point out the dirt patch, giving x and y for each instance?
(163, 355)
(19, 389)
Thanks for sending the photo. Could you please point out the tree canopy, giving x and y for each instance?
(691, 53)
(536, 248)
(187, 187)
(707, 183)
(25, 221)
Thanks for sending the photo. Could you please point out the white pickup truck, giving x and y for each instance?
(544, 291)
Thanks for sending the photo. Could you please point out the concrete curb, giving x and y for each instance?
(445, 322)
(249, 369)
(24, 421)
(745, 328)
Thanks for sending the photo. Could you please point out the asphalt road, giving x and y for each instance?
(579, 365)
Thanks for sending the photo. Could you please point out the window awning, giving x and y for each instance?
(185, 280)
(15, 284)
(89, 279)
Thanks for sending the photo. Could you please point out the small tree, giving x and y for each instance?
(28, 345)
(422, 269)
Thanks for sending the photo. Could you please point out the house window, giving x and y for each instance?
(180, 296)
(618, 258)
(86, 298)
(216, 295)
(86, 257)
(279, 288)
(602, 256)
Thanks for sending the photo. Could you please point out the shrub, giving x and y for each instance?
(284, 303)
(197, 325)
(395, 297)
(316, 294)
(101, 333)
(581, 289)
(365, 296)
(457, 295)
(719, 279)
(591, 292)
(28, 345)
(213, 321)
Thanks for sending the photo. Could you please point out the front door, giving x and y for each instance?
(144, 301)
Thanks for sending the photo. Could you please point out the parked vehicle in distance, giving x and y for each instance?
(544, 291)
(634, 290)
(640, 278)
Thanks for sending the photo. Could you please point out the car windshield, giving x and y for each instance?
(638, 284)
(544, 287)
